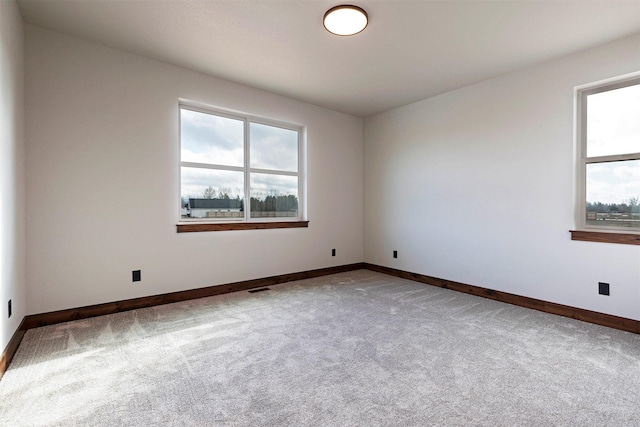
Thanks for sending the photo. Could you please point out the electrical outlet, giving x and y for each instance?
(9, 308)
(333, 252)
(136, 275)
(395, 254)
(603, 288)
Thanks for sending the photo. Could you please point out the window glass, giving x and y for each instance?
(206, 138)
(613, 122)
(274, 196)
(205, 191)
(612, 194)
(274, 148)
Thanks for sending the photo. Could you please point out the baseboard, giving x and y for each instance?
(52, 318)
(608, 320)
(11, 349)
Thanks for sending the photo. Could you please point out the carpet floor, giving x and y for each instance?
(352, 349)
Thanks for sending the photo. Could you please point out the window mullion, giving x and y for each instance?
(273, 172)
(247, 199)
(612, 158)
(247, 171)
(301, 177)
(212, 166)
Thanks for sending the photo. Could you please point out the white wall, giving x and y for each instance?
(477, 186)
(102, 180)
(12, 251)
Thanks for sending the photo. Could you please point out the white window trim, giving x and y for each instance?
(247, 119)
(580, 99)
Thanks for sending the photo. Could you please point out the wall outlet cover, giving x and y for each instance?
(603, 288)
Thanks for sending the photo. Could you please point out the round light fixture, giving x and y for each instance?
(345, 20)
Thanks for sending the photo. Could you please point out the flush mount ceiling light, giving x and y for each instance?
(345, 20)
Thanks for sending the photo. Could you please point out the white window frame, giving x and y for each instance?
(581, 94)
(247, 119)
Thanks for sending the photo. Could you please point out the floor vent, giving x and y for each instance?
(259, 290)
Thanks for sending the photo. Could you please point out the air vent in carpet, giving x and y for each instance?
(259, 290)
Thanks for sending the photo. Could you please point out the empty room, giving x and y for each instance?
(314, 213)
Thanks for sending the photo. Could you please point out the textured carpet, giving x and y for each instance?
(357, 348)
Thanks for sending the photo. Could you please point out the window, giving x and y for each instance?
(238, 168)
(608, 138)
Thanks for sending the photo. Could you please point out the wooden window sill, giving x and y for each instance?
(227, 226)
(598, 236)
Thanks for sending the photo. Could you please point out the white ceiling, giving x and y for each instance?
(411, 50)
